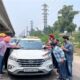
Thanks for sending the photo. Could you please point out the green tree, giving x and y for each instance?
(78, 39)
(48, 30)
(65, 19)
(79, 29)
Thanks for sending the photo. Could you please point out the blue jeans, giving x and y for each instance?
(62, 70)
(69, 68)
(1, 64)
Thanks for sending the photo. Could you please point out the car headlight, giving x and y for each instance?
(12, 58)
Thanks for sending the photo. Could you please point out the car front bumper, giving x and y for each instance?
(15, 69)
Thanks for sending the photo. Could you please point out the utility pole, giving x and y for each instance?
(27, 31)
(45, 14)
(31, 23)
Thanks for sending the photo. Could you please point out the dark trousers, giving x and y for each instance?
(55, 63)
(6, 56)
(1, 64)
(62, 70)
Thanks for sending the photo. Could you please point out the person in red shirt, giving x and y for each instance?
(50, 40)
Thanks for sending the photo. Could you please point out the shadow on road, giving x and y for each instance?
(45, 77)
(30, 78)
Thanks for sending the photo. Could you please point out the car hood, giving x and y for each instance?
(28, 54)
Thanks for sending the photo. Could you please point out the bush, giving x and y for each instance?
(78, 46)
(44, 38)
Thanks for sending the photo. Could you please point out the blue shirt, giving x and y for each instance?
(58, 53)
(69, 54)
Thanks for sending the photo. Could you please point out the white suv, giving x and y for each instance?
(30, 59)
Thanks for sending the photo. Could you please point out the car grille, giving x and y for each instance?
(30, 62)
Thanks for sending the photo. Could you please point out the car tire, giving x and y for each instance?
(48, 74)
(11, 75)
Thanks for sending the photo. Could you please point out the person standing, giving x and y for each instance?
(3, 48)
(61, 60)
(51, 38)
(2, 35)
(68, 49)
(51, 41)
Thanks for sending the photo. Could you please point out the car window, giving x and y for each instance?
(30, 44)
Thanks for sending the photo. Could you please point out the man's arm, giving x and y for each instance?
(69, 49)
(9, 45)
(62, 55)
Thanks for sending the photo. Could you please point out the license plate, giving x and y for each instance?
(30, 70)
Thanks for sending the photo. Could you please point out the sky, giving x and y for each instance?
(21, 12)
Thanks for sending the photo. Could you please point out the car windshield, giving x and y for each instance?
(15, 41)
(30, 44)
